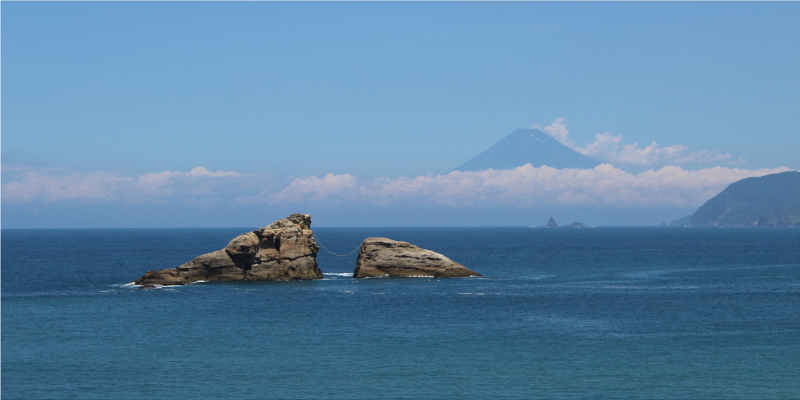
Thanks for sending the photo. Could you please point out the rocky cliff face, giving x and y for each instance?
(285, 250)
(381, 257)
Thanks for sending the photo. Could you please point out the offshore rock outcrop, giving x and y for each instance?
(284, 250)
(382, 257)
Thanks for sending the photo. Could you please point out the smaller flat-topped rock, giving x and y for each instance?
(382, 257)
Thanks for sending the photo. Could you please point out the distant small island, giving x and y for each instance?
(770, 200)
(552, 224)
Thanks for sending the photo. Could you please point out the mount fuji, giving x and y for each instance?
(528, 146)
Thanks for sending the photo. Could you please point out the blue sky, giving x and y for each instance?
(229, 114)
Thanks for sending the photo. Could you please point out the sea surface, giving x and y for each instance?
(614, 313)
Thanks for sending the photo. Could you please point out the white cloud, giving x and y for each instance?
(35, 185)
(201, 171)
(602, 187)
(335, 187)
(610, 148)
(169, 183)
(52, 185)
(558, 130)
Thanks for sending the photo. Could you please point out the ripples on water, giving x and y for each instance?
(572, 313)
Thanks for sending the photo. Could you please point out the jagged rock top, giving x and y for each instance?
(283, 250)
(382, 257)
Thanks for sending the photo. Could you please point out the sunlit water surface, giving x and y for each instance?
(559, 313)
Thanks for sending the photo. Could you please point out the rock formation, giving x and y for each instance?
(285, 250)
(381, 257)
(551, 223)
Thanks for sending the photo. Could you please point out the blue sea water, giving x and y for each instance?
(559, 313)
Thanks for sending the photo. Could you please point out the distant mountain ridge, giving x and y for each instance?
(770, 200)
(528, 146)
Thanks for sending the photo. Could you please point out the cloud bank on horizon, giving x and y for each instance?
(524, 186)
(604, 187)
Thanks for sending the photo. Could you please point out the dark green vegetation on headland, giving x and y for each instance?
(771, 200)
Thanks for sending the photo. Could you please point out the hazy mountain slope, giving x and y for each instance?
(525, 146)
(771, 200)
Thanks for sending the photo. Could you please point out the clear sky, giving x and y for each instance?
(233, 114)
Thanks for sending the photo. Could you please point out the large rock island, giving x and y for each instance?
(382, 257)
(285, 250)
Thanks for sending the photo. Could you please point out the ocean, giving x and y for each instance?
(681, 313)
